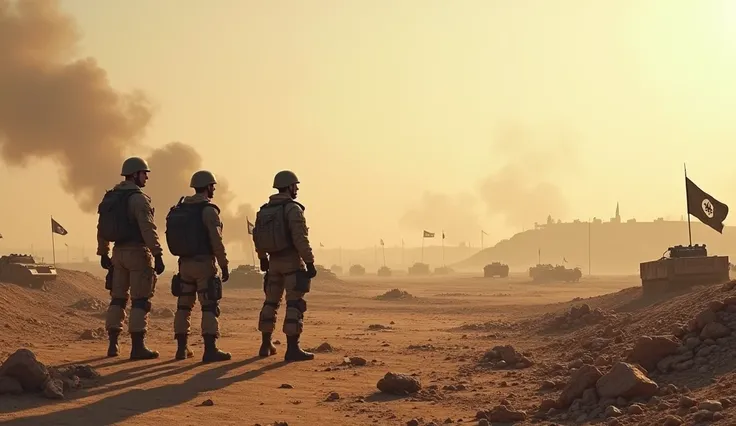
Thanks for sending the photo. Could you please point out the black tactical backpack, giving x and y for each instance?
(114, 224)
(186, 234)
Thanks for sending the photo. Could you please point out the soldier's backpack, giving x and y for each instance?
(271, 231)
(114, 224)
(186, 234)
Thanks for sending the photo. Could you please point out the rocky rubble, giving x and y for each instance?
(580, 315)
(22, 372)
(506, 357)
(399, 384)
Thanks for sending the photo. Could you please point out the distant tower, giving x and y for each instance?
(617, 218)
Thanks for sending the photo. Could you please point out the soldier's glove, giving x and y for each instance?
(264, 265)
(311, 272)
(225, 275)
(105, 261)
(158, 265)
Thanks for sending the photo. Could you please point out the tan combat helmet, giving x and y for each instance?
(284, 178)
(134, 165)
(202, 179)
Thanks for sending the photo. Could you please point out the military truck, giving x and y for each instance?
(547, 273)
(681, 267)
(384, 271)
(23, 269)
(496, 269)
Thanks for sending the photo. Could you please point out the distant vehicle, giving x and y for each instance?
(547, 272)
(496, 269)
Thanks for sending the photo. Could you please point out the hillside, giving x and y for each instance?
(615, 248)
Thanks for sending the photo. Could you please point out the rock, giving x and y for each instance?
(692, 342)
(547, 404)
(585, 377)
(547, 384)
(714, 330)
(703, 415)
(668, 362)
(509, 355)
(357, 361)
(687, 402)
(704, 318)
(483, 422)
(207, 403)
(612, 411)
(706, 350)
(589, 397)
(710, 405)
(333, 396)
(627, 381)
(26, 369)
(502, 414)
(715, 305)
(730, 300)
(93, 334)
(9, 385)
(53, 389)
(286, 386)
(412, 422)
(399, 384)
(649, 350)
(635, 409)
(672, 421)
(728, 286)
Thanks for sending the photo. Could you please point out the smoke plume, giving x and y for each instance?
(455, 214)
(523, 190)
(53, 106)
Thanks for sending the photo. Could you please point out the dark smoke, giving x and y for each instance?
(53, 106)
(525, 189)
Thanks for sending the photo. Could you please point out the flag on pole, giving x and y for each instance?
(381, 241)
(321, 245)
(66, 244)
(56, 228)
(704, 207)
(1, 235)
(428, 234)
(484, 232)
(250, 226)
(443, 235)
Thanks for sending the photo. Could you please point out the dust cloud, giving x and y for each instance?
(455, 213)
(523, 190)
(53, 106)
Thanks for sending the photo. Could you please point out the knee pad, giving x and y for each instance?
(119, 301)
(268, 312)
(298, 304)
(142, 304)
(183, 308)
(212, 307)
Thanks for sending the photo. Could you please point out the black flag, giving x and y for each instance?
(706, 208)
(57, 228)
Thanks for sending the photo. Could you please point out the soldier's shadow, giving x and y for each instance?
(122, 406)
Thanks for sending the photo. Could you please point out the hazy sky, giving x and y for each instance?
(399, 116)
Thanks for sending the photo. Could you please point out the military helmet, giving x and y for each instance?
(134, 165)
(202, 178)
(284, 178)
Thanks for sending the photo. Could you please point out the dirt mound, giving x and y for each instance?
(395, 294)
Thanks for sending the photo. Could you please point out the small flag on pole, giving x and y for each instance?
(1, 235)
(56, 228)
(321, 245)
(428, 234)
(704, 207)
(381, 241)
(443, 235)
(250, 227)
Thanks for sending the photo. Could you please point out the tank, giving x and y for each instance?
(547, 272)
(496, 269)
(419, 269)
(356, 270)
(683, 267)
(384, 271)
(245, 276)
(324, 273)
(23, 269)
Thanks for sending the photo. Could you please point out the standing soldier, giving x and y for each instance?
(194, 233)
(280, 238)
(126, 218)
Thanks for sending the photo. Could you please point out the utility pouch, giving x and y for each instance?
(303, 282)
(214, 289)
(176, 285)
(108, 279)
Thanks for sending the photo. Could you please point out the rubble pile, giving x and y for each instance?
(90, 304)
(579, 316)
(395, 294)
(506, 357)
(22, 372)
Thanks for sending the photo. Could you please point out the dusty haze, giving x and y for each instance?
(397, 117)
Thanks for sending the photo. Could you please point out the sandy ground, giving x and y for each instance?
(439, 335)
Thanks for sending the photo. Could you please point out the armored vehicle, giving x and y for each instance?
(419, 269)
(496, 269)
(682, 267)
(356, 270)
(245, 276)
(384, 271)
(547, 272)
(23, 269)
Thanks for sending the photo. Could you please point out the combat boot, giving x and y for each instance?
(267, 348)
(183, 351)
(139, 349)
(114, 348)
(211, 353)
(294, 352)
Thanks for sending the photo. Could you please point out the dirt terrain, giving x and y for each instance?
(439, 330)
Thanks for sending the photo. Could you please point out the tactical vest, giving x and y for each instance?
(115, 224)
(271, 231)
(186, 233)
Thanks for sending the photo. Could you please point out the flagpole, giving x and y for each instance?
(481, 240)
(687, 202)
(383, 248)
(53, 243)
(422, 246)
(443, 248)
